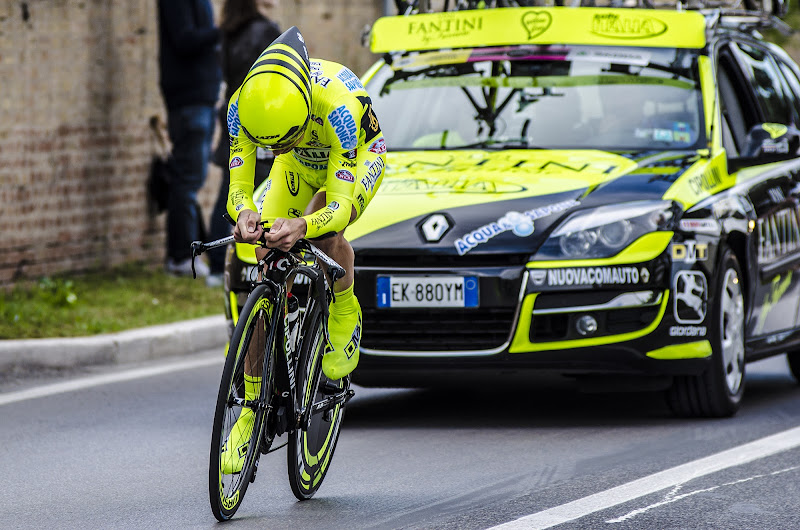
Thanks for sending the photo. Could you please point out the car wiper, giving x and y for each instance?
(495, 143)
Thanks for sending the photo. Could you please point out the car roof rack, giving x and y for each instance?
(725, 14)
(412, 7)
(744, 21)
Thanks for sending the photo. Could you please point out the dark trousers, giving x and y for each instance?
(190, 130)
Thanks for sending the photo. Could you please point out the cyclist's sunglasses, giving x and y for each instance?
(288, 139)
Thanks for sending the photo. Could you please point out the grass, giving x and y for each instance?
(128, 297)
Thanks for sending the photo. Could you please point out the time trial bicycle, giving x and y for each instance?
(280, 337)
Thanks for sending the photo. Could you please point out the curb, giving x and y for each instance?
(167, 340)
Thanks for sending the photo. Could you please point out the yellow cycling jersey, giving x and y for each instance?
(341, 123)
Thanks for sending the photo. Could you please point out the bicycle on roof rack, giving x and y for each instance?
(273, 378)
(778, 8)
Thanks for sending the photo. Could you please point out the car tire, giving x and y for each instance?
(717, 392)
(793, 358)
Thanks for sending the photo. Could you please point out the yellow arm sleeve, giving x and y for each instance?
(241, 162)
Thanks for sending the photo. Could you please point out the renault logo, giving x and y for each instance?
(434, 227)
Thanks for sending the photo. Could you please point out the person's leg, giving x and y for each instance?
(345, 320)
(279, 201)
(220, 227)
(190, 130)
(337, 247)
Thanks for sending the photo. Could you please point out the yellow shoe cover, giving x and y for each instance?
(344, 327)
(235, 449)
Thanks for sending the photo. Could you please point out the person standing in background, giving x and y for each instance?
(190, 83)
(246, 31)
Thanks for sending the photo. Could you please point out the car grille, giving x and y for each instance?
(436, 330)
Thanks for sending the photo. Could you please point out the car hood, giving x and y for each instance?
(479, 201)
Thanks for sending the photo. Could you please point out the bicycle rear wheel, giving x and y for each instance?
(232, 466)
(310, 450)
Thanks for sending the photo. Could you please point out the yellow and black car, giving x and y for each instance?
(609, 194)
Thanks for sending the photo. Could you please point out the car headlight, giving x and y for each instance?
(602, 232)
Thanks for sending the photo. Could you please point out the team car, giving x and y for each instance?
(607, 194)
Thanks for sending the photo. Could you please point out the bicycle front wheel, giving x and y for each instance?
(242, 403)
(310, 450)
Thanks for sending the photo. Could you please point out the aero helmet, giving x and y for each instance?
(275, 97)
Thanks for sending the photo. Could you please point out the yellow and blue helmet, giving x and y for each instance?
(275, 97)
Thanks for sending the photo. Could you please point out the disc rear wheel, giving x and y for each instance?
(310, 450)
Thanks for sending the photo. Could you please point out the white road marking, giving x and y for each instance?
(104, 379)
(737, 456)
(671, 497)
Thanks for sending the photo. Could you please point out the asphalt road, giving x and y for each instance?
(132, 452)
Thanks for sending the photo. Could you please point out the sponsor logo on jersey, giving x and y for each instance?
(373, 173)
(351, 154)
(236, 162)
(312, 154)
(369, 122)
(333, 205)
(349, 79)
(322, 217)
(321, 80)
(310, 165)
(316, 119)
(345, 175)
(233, 119)
(292, 182)
(378, 146)
(344, 126)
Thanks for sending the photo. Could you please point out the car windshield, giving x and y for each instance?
(546, 97)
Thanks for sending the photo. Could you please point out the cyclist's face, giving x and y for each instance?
(288, 148)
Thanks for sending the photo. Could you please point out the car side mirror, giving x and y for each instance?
(771, 141)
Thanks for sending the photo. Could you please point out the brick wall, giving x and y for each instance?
(79, 85)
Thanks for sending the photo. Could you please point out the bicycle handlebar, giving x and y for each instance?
(335, 270)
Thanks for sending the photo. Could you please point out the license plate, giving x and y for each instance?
(427, 291)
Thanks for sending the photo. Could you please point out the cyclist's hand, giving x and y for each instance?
(248, 227)
(285, 232)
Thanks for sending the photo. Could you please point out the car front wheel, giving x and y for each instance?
(718, 391)
(794, 363)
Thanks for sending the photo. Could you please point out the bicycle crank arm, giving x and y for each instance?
(324, 406)
(332, 401)
(250, 404)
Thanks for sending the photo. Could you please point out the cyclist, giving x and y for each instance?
(317, 119)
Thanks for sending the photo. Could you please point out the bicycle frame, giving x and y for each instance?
(276, 270)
